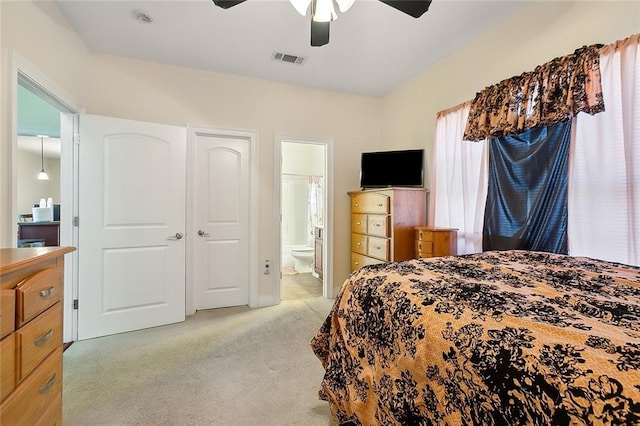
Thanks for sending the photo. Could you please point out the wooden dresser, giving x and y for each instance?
(31, 287)
(435, 242)
(47, 231)
(382, 224)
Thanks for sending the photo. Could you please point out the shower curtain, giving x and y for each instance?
(315, 206)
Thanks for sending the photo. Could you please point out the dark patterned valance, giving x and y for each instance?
(552, 93)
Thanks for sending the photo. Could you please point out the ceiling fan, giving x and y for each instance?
(323, 12)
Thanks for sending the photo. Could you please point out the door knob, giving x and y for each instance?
(201, 233)
(178, 236)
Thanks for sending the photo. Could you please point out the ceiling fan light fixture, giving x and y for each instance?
(323, 11)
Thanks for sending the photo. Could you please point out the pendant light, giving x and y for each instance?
(42, 175)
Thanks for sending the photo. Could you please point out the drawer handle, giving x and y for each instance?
(48, 385)
(376, 224)
(356, 263)
(44, 338)
(358, 223)
(358, 244)
(380, 205)
(377, 247)
(47, 292)
(357, 205)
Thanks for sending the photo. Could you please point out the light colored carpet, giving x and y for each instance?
(232, 366)
(300, 286)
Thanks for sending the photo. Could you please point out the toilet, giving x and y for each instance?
(303, 259)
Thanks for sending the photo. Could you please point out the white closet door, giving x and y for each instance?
(221, 206)
(132, 220)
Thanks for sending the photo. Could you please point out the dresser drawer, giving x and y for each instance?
(359, 223)
(370, 203)
(36, 293)
(34, 395)
(378, 248)
(424, 248)
(39, 338)
(359, 243)
(436, 242)
(7, 365)
(378, 225)
(53, 415)
(359, 260)
(424, 235)
(7, 312)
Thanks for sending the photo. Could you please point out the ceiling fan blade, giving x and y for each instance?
(226, 4)
(415, 8)
(319, 33)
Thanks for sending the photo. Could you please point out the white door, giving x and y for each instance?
(131, 197)
(221, 219)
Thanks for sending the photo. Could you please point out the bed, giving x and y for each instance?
(513, 337)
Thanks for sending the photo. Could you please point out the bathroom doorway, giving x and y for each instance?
(303, 221)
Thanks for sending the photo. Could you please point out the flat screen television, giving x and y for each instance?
(392, 168)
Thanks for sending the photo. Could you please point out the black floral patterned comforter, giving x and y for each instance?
(515, 337)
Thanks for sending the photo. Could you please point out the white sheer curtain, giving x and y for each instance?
(315, 207)
(604, 176)
(459, 180)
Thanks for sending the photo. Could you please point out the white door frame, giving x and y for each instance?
(192, 132)
(68, 167)
(327, 214)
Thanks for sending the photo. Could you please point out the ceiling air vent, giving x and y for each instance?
(284, 57)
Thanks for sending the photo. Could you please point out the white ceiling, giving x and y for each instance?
(373, 48)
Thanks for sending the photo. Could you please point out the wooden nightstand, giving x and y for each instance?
(435, 242)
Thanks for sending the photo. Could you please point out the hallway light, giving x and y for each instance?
(42, 175)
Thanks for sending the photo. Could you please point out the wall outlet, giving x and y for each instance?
(267, 267)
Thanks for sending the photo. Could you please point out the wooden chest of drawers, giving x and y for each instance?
(435, 242)
(31, 335)
(382, 222)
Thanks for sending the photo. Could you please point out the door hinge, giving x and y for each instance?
(76, 221)
(75, 304)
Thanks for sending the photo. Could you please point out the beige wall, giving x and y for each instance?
(5, 194)
(539, 33)
(139, 90)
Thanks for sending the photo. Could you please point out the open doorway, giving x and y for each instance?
(39, 108)
(302, 220)
(303, 206)
(37, 166)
